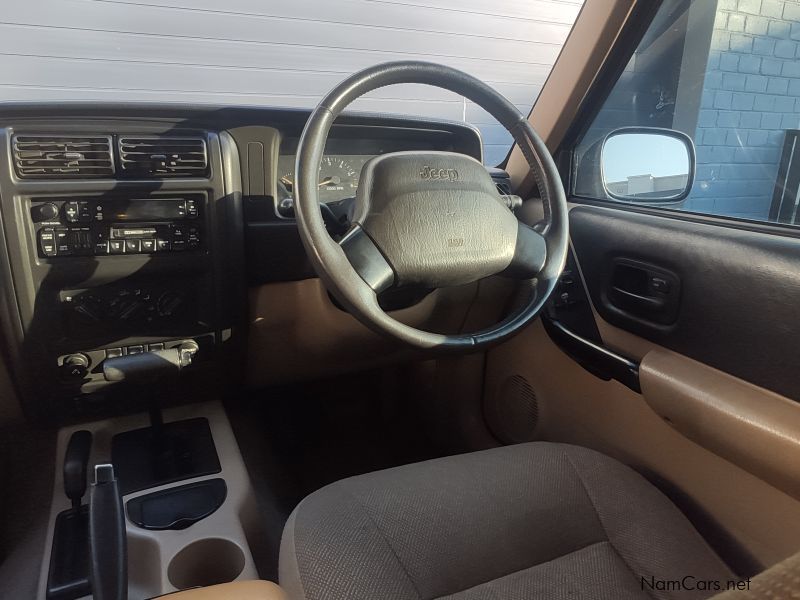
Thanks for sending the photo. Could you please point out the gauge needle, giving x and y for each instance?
(329, 180)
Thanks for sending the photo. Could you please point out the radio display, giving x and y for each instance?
(145, 210)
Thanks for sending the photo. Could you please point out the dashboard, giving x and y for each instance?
(129, 228)
(342, 163)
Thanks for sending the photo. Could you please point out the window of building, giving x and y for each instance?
(727, 73)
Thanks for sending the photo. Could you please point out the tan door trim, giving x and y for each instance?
(593, 35)
(754, 428)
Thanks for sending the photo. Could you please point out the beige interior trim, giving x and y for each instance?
(748, 425)
(238, 590)
(296, 332)
(593, 35)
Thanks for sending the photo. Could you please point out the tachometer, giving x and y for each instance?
(338, 179)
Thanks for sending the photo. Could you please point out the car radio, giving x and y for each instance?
(114, 226)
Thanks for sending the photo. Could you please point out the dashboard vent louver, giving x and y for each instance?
(163, 156)
(62, 156)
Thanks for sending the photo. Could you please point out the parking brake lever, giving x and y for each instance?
(107, 537)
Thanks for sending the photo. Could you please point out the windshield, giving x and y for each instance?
(280, 53)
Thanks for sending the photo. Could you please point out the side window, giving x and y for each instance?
(727, 74)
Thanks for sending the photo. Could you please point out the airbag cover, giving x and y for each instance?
(437, 217)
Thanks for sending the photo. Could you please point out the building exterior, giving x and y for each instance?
(280, 52)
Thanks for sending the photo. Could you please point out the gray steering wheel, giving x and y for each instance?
(431, 219)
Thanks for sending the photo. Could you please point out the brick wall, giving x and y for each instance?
(750, 96)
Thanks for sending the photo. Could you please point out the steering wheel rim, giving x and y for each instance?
(334, 262)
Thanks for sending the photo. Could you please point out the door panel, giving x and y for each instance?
(749, 523)
(734, 292)
(724, 450)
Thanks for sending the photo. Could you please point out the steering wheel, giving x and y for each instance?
(430, 219)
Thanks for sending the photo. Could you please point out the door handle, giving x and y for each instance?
(639, 301)
(644, 291)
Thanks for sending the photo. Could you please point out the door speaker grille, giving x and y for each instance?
(513, 413)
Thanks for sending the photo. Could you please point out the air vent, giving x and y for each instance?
(50, 156)
(163, 156)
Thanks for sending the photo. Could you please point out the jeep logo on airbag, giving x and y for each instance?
(431, 173)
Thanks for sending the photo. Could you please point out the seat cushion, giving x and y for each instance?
(535, 520)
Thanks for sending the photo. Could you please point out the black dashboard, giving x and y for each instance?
(132, 228)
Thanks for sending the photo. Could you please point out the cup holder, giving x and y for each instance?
(206, 562)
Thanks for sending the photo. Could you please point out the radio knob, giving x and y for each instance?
(47, 211)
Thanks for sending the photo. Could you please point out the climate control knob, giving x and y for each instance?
(47, 212)
(168, 304)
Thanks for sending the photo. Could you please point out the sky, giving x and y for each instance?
(630, 154)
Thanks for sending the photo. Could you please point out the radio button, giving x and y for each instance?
(47, 242)
(191, 209)
(179, 245)
(101, 247)
(148, 246)
(116, 246)
(132, 246)
(163, 245)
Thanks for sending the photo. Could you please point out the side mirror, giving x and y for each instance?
(647, 164)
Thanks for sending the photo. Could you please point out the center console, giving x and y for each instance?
(121, 238)
(201, 530)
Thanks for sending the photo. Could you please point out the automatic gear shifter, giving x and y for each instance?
(150, 367)
(163, 452)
